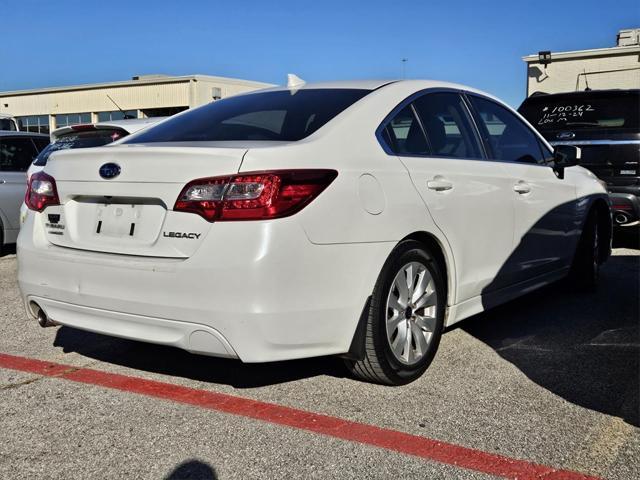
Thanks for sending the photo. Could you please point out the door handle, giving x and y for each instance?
(2, 181)
(522, 188)
(439, 185)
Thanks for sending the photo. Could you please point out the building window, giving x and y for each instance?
(117, 115)
(162, 112)
(67, 119)
(35, 123)
(216, 93)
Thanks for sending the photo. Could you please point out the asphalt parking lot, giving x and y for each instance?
(549, 380)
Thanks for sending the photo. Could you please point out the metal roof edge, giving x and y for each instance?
(594, 52)
(129, 83)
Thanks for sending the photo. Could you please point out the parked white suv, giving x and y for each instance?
(352, 218)
(8, 123)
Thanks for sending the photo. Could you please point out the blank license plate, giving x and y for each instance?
(118, 220)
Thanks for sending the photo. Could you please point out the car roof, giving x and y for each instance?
(350, 84)
(13, 133)
(375, 84)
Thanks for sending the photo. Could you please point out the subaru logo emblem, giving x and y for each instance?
(565, 135)
(109, 170)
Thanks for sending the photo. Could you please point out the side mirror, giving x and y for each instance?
(565, 156)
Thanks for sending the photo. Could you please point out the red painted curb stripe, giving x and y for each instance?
(406, 443)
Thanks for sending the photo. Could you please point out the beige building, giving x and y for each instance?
(44, 109)
(602, 68)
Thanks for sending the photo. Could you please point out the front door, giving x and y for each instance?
(545, 205)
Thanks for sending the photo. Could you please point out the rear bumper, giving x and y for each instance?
(193, 337)
(625, 209)
(628, 190)
(258, 291)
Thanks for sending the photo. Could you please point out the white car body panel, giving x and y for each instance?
(547, 230)
(478, 187)
(291, 287)
(280, 320)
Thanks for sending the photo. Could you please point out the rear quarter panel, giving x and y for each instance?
(372, 199)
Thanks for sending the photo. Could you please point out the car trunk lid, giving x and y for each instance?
(131, 213)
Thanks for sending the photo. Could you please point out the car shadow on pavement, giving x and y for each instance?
(172, 361)
(193, 470)
(626, 237)
(582, 347)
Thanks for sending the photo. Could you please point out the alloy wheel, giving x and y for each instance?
(412, 306)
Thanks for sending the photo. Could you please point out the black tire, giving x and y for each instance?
(380, 364)
(585, 269)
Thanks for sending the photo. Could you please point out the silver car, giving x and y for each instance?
(17, 151)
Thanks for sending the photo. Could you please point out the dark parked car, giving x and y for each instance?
(605, 124)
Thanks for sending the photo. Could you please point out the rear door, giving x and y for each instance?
(467, 196)
(545, 205)
(16, 154)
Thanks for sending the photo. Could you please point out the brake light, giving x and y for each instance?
(83, 127)
(253, 196)
(41, 192)
(622, 207)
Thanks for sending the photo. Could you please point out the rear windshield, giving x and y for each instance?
(7, 124)
(280, 116)
(607, 110)
(91, 138)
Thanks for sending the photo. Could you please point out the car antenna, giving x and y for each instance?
(125, 116)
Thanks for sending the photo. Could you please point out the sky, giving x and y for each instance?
(474, 42)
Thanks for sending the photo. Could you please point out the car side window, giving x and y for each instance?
(547, 153)
(506, 136)
(448, 126)
(16, 154)
(404, 134)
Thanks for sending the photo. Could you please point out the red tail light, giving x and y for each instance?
(253, 196)
(41, 192)
(83, 127)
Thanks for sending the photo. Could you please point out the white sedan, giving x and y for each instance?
(351, 218)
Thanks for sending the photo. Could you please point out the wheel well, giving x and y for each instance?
(603, 218)
(433, 245)
(356, 350)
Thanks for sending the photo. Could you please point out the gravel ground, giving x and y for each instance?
(551, 378)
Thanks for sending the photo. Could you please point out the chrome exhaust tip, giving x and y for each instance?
(620, 218)
(41, 316)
